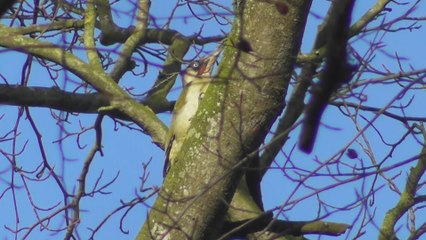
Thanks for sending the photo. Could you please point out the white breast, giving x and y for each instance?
(190, 105)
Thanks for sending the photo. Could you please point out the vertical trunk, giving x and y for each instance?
(235, 116)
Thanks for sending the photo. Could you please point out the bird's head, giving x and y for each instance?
(200, 70)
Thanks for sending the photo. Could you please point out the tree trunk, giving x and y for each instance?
(234, 117)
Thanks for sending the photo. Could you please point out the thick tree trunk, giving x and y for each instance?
(234, 117)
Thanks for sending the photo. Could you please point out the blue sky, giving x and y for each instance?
(125, 151)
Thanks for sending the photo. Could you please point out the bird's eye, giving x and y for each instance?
(195, 65)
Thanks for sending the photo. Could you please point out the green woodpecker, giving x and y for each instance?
(195, 80)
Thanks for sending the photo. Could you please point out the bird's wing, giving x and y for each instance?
(167, 155)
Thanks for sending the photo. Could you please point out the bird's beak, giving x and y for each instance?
(209, 61)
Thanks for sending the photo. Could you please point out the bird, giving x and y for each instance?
(195, 80)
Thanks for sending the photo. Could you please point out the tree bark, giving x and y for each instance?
(235, 115)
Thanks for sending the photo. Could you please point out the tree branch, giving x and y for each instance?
(408, 197)
(143, 116)
(58, 99)
(336, 71)
(133, 41)
(5, 5)
(402, 119)
(265, 222)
